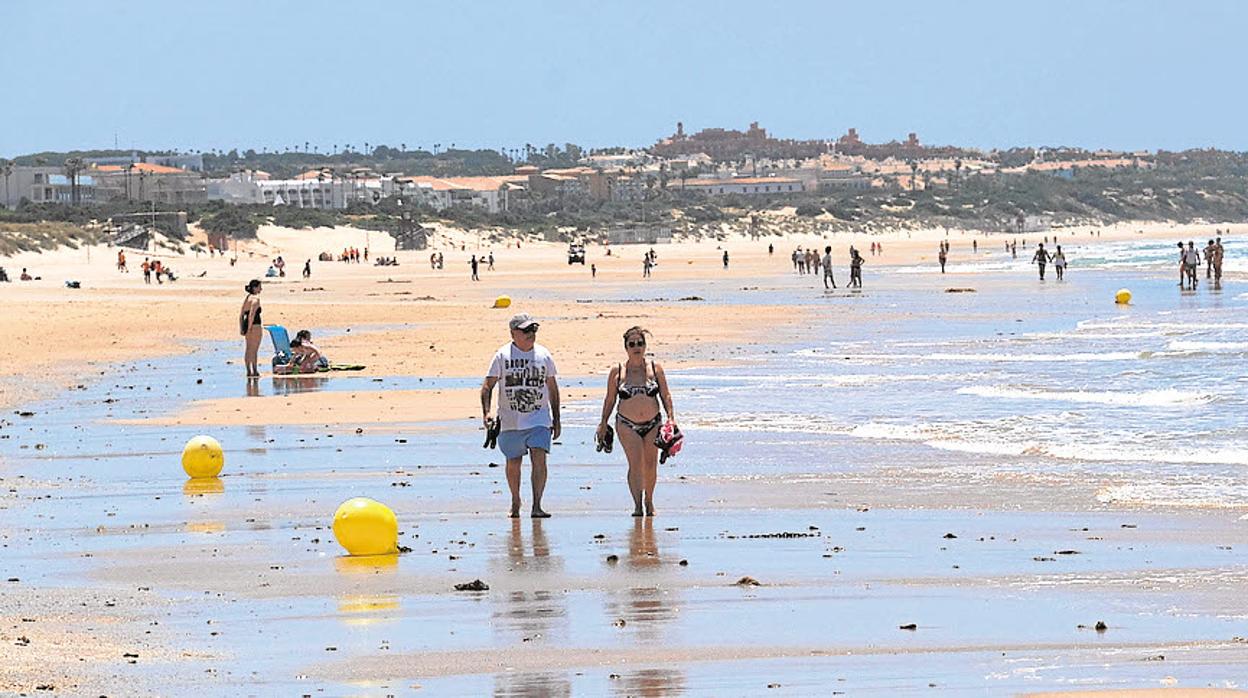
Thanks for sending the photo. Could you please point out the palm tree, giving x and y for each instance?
(914, 174)
(957, 168)
(72, 167)
(7, 171)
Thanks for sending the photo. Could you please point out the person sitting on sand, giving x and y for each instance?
(528, 407)
(250, 326)
(271, 273)
(640, 388)
(305, 338)
(25, 275)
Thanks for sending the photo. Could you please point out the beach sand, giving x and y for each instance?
(243, 589)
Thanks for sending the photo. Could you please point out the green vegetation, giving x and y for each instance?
(29, 237)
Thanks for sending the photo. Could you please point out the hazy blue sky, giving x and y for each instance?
(252, 73)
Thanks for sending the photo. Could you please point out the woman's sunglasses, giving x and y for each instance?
(635, 343)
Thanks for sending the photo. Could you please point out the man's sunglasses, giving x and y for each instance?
(635, 343)
(531, 329)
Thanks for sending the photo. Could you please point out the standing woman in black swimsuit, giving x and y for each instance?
(640, 387)
(251, 327)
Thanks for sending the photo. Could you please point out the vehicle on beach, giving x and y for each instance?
(576, 253)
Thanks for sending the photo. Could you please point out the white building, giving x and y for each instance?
(749, 186)
(253, 188)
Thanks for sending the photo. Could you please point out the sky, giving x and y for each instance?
(197, 75)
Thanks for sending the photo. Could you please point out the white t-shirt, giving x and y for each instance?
(522, 399)
(1191, 256)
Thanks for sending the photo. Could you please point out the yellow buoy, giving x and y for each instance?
(502, 302)
(203, 457)
(1122, 297)
(365, 526)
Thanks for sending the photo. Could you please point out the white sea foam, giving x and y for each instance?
(1201, 494)
(992, 357)
(996, 440)
(1142, 398)
(1207, 347)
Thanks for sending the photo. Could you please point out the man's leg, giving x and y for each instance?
(537, 459)
(513, 483)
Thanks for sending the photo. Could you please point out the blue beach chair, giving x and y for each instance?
(281, 344)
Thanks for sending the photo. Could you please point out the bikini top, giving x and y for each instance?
(628, 390)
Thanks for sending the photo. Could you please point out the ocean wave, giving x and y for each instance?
(1197, 494)
(1207, 347)
(1142, 398)
(1074, 357)
(970, 439)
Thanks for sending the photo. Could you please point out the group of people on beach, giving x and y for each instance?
(810, 262)
(153, 267)
(1189, 263)
(527, 417)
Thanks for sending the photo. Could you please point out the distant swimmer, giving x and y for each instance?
(637, 391)
(1059, 263)
(528, 407)
(1041, 258)
(943, 257)
(828, 280)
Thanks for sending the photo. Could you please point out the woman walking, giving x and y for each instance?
(250, 326)
(640, 388)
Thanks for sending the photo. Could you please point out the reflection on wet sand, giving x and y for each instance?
(198, 486)
(366, 564)
(368, 609)
(529, 612)
(531, 685)
(650, 683)
(647, 607)
(293, 385)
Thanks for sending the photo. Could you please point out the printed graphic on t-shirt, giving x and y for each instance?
(524, 384)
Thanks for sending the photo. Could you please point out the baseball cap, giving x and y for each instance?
(522, 321)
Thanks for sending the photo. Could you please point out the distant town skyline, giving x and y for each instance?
(152, 75)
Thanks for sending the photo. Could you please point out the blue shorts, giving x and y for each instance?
(514, 444)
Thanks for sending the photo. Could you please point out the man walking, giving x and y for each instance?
(827, 269)
(1191, 262)
(1217, 261)
(1041, 258)
(474, 264)
(528, 407)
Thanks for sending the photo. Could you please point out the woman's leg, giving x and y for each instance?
(650, 470)
(634, 450)
(252, 351)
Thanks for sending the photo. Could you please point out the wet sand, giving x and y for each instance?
(1003, 574)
